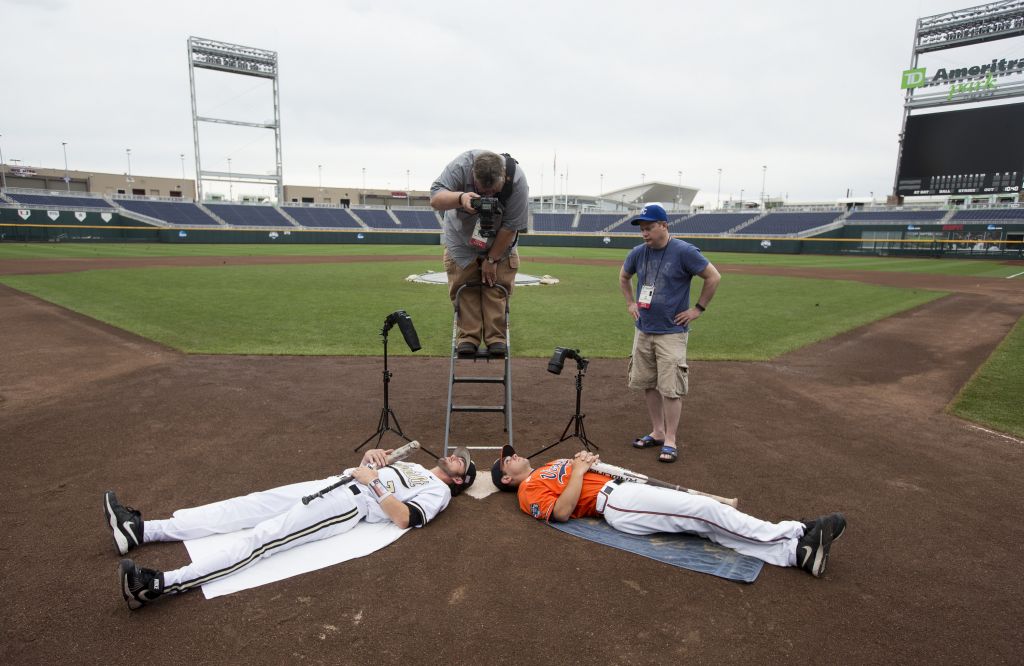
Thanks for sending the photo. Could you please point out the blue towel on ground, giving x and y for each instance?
(680, 550)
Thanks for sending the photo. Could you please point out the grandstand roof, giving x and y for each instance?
(654, 192)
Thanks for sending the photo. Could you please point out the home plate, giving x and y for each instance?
(522, 279)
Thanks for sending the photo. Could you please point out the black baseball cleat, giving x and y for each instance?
(837, 522)
(139, 586)
(125, 523)
(812, 548)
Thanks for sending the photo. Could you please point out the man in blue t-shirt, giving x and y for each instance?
(664, 267)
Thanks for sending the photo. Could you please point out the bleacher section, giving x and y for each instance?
(418, 219)
(790, 223)
(989, 215)
(553, 221)
(249, 215)
(170, 212)
(710, 223)
(597, 221)
(897, 216)
(337, 218)
(375, 219)
(57, 200)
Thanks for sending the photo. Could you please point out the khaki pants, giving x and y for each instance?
(481, 308)
(659, 361)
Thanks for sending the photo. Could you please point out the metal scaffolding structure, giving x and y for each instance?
(244, 61)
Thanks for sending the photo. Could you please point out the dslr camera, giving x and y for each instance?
(404, 322)
(557, 361)
(489, 209)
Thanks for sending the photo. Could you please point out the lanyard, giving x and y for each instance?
(647, 265)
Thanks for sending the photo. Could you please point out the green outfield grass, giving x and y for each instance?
(995, 395)
(339, 308)
(972, 267)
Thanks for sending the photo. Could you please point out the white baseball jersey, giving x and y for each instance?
(413, 485)
(280, 521)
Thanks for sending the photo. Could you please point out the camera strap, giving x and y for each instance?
(510, 173)
(506, 191)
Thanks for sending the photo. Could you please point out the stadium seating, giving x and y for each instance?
(170, 212)
(896, 216)
(596, 221)
(553, 221)
(375, 218)
(322, 217)
(790, 223)
(988, 215)
(57, 201)
(710, 223)
(249, 215)
(418, 219)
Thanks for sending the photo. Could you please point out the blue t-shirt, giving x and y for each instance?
(670, 270)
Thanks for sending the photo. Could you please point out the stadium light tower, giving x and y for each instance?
(718, 197)
(764, 177)
(128, 152)
(245, 61)
(183, 167)
(67, 178)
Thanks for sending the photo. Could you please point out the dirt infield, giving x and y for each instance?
(928, 571)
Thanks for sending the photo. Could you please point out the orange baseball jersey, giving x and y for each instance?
(539, 492)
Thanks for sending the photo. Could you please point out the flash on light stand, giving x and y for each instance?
(555, 366)
(404, 322)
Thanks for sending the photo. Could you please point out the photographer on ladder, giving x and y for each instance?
(484, 198)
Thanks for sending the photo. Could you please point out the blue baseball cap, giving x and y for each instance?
(650, 213)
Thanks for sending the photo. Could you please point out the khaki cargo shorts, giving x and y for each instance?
(659, 361)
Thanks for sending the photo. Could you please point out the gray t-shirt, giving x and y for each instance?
(458, 224)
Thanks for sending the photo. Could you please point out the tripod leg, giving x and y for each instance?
(382, 427)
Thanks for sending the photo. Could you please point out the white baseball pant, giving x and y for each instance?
(279, 520)
(637, 508)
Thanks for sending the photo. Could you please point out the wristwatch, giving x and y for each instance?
(491, 260)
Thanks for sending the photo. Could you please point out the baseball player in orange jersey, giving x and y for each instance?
(566, 488)
(405, 493)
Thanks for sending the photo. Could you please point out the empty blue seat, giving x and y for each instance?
(710, 223)
(376, 218)
(553, 221)
(418, 219)
(249, 215)
(790, 223)
(171, 212)
(903, 216)
(322, 217)
(57, 201)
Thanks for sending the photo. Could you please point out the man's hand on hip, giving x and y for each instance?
(686, 316)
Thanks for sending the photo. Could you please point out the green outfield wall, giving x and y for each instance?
(997, 241)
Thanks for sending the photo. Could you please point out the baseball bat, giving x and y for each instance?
(396, 455)
(636, 477)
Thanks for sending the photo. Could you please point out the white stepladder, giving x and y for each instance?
(505, 379)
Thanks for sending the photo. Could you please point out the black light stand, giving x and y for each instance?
(386, 413)
(576, 421)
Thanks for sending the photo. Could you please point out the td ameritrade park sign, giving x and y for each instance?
(963, 80)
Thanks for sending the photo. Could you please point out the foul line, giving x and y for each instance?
(1014, 275)
(997, 434)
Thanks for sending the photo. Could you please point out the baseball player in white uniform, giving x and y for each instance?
(566, 488)
(405, 493)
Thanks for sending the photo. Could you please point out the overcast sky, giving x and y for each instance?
(631, 90)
